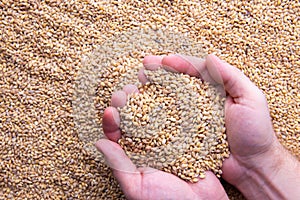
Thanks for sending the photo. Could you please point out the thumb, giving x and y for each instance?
(123, 169)
(238, 86)
(115, 156)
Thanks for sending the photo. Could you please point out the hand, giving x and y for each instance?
(258, 165)
(147, 183)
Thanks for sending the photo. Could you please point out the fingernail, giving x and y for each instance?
(130, 89)
(118, 99)
(116, 117)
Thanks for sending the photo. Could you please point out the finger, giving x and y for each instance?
(118, 99)
(235, 82)
(184, 64)
(142, 76)
(176, 63)
(190, 65)
(115, 157)
(215, 71)
(152, 62)
(111, 124)
(130, 89)
(123, 169)
(209, 188)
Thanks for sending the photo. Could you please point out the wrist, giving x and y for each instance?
(275, 174)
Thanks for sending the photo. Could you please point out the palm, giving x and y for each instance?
(162, 185)
(246, 140)
(157, 185)
(247, 127)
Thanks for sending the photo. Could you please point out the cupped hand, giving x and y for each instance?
(147, 183)
(258, 165)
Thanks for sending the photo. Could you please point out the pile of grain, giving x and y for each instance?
(41, 48)
(175, 124)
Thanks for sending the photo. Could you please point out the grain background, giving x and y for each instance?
(41, 46)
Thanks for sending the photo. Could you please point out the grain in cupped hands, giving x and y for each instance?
(175, 124)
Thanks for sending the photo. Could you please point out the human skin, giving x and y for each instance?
(258, 165)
